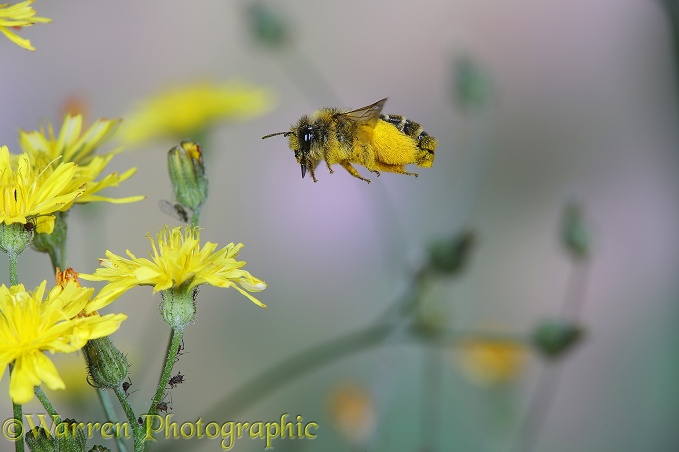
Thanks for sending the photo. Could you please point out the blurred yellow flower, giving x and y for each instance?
(491, 362)
(31, 325)
(188, 111)
(30, 195)
(177, 260)
(18, 16)
(352, 412)
(46, 151)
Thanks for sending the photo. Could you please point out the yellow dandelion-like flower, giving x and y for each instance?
(18, 16)
(71, 145)
(190, 110)
(491, 362)
(352, 412)
(31, 325)
(177, 260)
(28, 194)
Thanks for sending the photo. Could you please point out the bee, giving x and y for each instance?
(363, 136)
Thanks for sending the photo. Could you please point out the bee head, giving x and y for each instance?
(300, 139)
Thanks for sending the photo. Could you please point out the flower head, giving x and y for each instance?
(29, 194)
(190, 110)
(31, 324)
(46, 150)
(18, 16)
(493, 361)
(177, 260)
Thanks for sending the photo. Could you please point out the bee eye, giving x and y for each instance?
(307, 135)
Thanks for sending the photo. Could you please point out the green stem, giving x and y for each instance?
(296, 366)
(40, 394)
(170, 358)
(109, 411)
(18, 417)
(195, 218)
(13, 268)
(137, 431)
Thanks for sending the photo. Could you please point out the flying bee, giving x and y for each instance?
(364, 137)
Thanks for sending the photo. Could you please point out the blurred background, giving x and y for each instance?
(535, 105)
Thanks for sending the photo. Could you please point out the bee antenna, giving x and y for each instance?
(285, 134)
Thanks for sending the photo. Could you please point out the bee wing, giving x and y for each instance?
(367, 115)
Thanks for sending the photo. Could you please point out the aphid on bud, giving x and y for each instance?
(364, 137)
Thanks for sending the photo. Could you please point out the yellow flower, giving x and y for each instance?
(46, 150)
(188, 111)
(491, 362)
(18, 16)
(30, 195)
(352, 412)
(177, 260)
(31, 325)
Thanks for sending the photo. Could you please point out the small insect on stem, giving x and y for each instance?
(163, 406)
(126, 386)
(176, 380)
(174, 210)
(179, 351)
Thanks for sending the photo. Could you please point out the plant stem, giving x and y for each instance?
(137, 431)
(106, 404)
(40, 394)
(13, 268)
(170, 358)
(18, 417)
(296, 366)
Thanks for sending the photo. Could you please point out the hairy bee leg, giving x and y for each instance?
(313, 176)
(347, 166)
(398, 169)
(376, 172)
(329, 168)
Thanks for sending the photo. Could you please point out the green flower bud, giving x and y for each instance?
(267, 25)
(471, 86)
(574, 233)
(51, 243)
(553, 338)
(451, 255)
(178, 307)
(70, 437)
(187, 174)
(107, 366)
(39, 440)
(15, 237)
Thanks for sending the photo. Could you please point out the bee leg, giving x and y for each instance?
(329, 168)
(398, 169)
(313, 176)
(376, 172)
(347, 166)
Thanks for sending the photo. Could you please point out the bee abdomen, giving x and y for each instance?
(413, 130)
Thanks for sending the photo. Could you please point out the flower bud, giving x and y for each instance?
(52, 243)
(39, 440)
(107, 366)
(187, 174)
(70, 437)
(553, 338)
(15, 237)
(472, 87)
(574, 233)
(178, 307)
(451, 255)
(267, 25)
